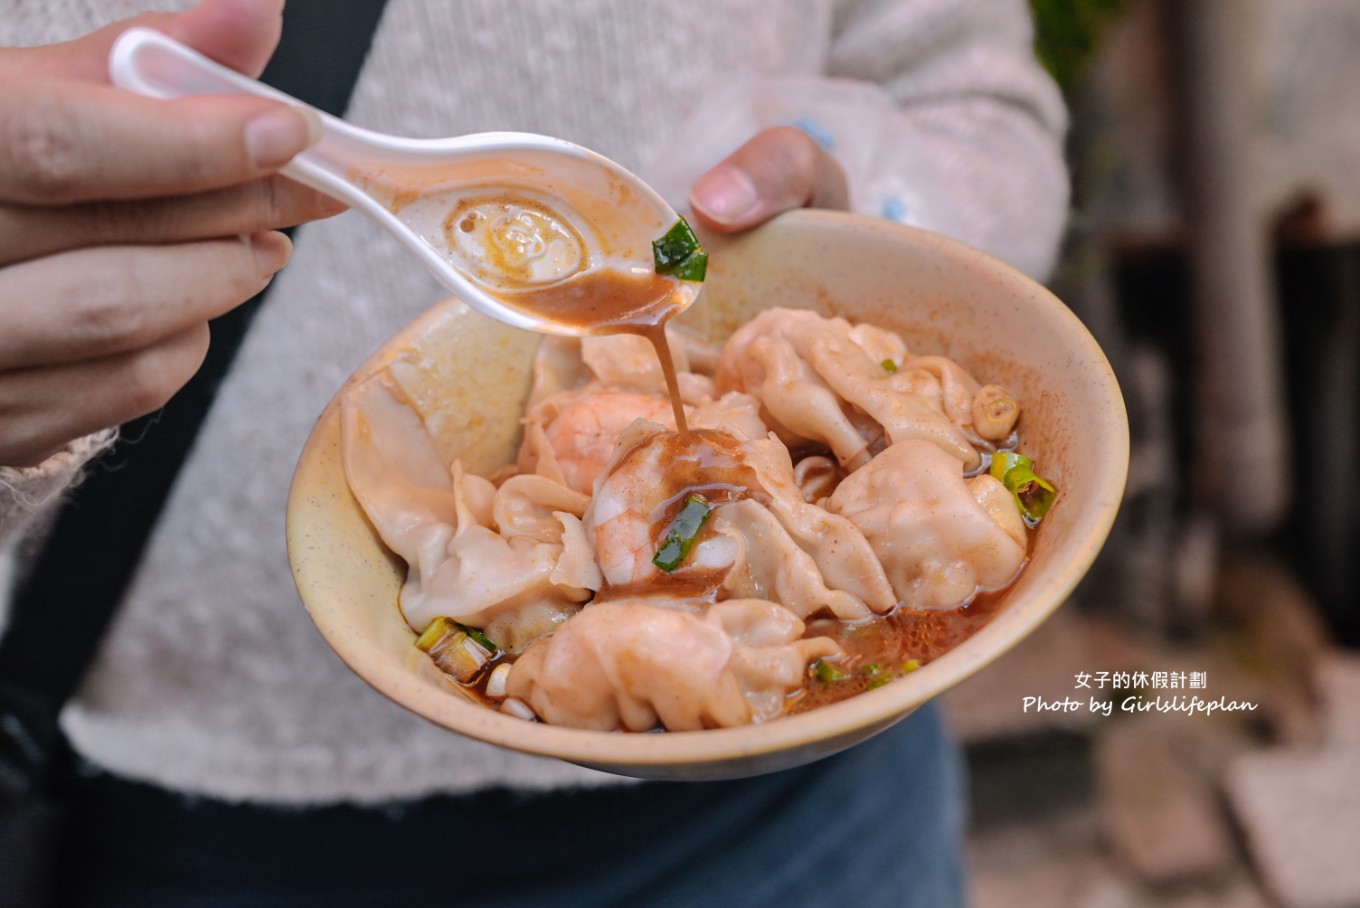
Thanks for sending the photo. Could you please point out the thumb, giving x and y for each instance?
(781, 168)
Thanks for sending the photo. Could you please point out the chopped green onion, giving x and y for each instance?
(434, 632)
(453, 649)
(889, 366)
(827, 673)
(682, 533)
(876, 675)
(911, 665)
(1032, 492)
(480, 637)
(678, 253)
(1003, 461)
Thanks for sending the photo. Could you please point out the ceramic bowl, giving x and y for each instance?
(470, 375)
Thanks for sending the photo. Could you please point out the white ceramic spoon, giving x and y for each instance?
(497, 217)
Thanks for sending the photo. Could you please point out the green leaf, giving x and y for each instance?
(1068, 33)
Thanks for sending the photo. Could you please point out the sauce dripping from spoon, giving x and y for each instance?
(609, 301)
(532, 254)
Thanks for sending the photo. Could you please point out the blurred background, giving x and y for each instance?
(1214, 251)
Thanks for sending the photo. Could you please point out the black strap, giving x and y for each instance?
(66, 598)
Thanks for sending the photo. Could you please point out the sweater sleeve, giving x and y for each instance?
(937, 110)
(26, 492)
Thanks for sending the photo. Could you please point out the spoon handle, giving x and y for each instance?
(153, 64)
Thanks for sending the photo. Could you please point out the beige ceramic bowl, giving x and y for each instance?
(940, 295)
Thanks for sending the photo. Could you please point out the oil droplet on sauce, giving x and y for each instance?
(510, 242)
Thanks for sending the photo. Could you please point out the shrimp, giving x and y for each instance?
(653, 472)
(570, 437)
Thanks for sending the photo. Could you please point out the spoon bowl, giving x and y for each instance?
(501, 219)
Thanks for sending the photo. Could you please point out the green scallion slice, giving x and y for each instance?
(1003, 461)
(454, 650)
(678, 253)
(434, 632)
(827, 673)
(875, 674)
(480, 637)
(1032, 492)
(682, 533)
(889, 365)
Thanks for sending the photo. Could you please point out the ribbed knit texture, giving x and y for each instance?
(213, 679)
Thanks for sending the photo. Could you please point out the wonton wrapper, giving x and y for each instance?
(475, 552)
(632, 664)
(939, 537)
(851, 388)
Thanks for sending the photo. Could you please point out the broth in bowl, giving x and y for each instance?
(465, 384)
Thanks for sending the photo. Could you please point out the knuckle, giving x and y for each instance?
(111, 313)
(813, 173)
(272, 202)
(278, 202)
(261, 205)
(203, 158)
(799, 150)
(42, 147)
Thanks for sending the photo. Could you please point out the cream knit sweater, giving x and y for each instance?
(212, 679)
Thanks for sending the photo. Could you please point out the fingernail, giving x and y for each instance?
(272, 250)
(274, 137)
(725, 194)
(329, 205)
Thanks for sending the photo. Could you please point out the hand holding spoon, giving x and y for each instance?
(534, 231)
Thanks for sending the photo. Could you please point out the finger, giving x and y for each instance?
(63, 142)
(781, 168)
(240, 34)
(107, 300)
(43, 409)
(28, 232)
